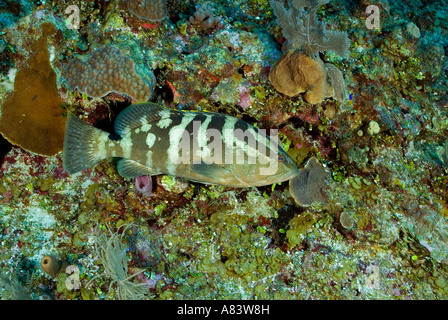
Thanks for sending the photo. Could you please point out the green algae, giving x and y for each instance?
(298, 227)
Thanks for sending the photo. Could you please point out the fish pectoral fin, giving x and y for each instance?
(130, 169)
(213, 171)
(247, 184)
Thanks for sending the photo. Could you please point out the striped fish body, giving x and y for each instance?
(206, 147)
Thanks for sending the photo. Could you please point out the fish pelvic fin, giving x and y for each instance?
(80, 143)
(130, 169)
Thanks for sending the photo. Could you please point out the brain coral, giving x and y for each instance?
(152, 10)
(108, 70)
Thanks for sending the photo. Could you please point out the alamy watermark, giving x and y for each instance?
(373, 20)
(373, 280)
(73, 19)
(231, 146)
(72, 282)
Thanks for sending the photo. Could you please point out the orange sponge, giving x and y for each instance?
(296, 73)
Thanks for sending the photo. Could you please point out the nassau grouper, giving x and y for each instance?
(205, 147)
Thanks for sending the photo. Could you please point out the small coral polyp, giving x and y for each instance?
(108, 70)
(204, 18)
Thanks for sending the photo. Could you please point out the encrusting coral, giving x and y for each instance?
(295, 73)
(108, 70)
(31, 118)
(152, 10)
(300, 69)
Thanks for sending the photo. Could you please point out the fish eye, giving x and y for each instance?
(280, 158)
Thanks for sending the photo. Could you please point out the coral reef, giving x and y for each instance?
(12, 10)
(300, 69)
(108, 70)
(379, 233)
(14, 290)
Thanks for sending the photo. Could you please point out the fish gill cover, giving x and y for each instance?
(365, 217)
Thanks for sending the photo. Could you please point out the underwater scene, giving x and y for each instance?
(223, 150)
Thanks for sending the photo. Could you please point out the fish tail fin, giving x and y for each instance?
(79, 142)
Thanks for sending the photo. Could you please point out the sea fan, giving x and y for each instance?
(303, 31)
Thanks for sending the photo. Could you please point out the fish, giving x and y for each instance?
(200, 146)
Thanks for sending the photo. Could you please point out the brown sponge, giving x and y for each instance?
(310, 184)
(296, 73)
(32, 118)
(52, 266)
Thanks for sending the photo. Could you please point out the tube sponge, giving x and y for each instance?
(143, 184)
(52, 266)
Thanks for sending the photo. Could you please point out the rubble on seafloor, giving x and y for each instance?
(381, 232)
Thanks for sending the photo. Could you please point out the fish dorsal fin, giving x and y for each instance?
(131, 169)
(139, 114)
